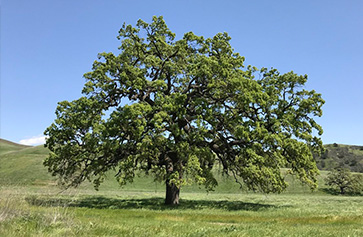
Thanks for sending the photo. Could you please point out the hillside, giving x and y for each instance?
(21, 164)
(342, 156)
(7, 146)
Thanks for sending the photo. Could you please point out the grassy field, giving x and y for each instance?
(32, 205)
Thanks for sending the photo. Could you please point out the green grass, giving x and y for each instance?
(86, 213)
(32, 205)
(24, 165)
(7, 146)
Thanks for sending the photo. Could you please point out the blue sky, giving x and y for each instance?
(47, 46)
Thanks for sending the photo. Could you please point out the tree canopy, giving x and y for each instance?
(174, 108)
(346, 182)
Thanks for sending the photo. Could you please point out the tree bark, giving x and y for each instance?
(342, 190)
(172, 194)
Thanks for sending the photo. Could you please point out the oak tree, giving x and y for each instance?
(173, 108)
(344, 181)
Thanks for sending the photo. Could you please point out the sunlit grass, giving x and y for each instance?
(46, 212)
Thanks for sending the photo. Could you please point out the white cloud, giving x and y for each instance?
(37, 140)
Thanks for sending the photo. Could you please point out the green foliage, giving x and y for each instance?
(191, 103)
(345, 182)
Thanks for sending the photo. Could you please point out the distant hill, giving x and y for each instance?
(21, 164)
(7, 146)
(342, 156)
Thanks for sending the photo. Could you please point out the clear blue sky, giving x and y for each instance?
(47, 46)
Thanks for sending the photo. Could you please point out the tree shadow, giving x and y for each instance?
(330, 191)
(100, 202)
(333, 191)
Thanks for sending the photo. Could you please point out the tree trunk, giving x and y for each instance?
(172, 194)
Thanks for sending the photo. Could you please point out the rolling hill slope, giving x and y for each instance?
(23, 165)
(7, 146)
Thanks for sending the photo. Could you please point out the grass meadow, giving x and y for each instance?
(32, 205)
